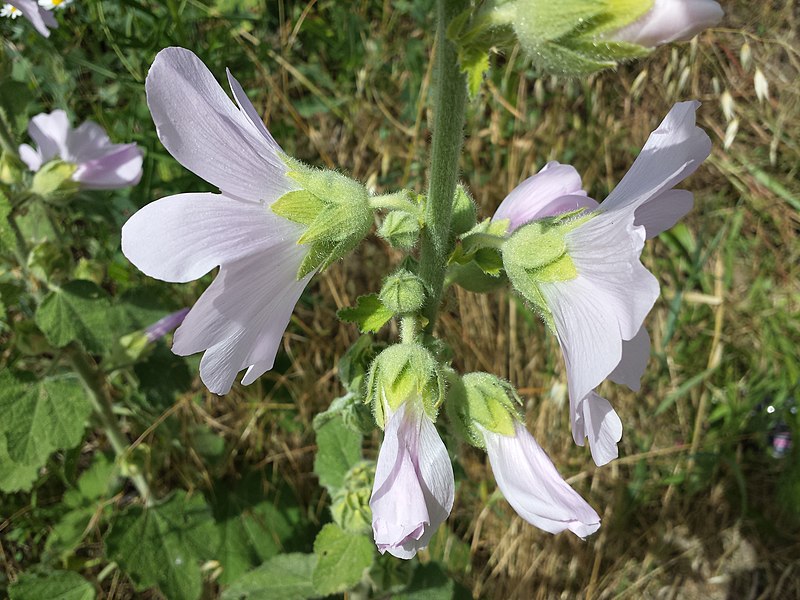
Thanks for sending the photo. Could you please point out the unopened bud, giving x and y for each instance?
(403, 293)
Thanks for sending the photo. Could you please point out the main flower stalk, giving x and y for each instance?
(448, 136)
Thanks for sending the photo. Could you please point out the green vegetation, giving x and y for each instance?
(699, 504)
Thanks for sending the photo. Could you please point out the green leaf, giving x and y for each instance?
(251, 530)
(42, 416)
(338, 449)
(342, 559)
(475, 64)
(165, 545)
(429, 582)
(284, 577)
(56, 585)
(79, 311)
(14, 477)
(368, 313)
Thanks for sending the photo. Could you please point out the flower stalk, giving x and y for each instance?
(95, 384)
(448, 136)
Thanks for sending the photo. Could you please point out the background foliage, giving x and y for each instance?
(700, 504)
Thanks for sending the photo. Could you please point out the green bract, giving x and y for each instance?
(350, 504)
(537, 253)
(334, 209)
(54, 181)
(400, 229)
(571, 37)
(483, 399)
(403, 372)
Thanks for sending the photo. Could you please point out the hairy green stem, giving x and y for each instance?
(448, 137)
(6, 139)
(95, 383)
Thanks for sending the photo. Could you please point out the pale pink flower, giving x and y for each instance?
(533, 486)
(100, 165)
(414, 485)
(240, 319)
(41, 20)
(598, 315)
(670, 21)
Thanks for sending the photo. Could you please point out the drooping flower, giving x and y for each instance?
(584, 274)
(670, 21)
(265, 260)
(41, 20)
(99, 164)
(166, 324)
(533, 486)
(54, 4)
(485, 409)
(414, 485)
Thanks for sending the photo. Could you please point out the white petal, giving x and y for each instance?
(120, 166)
(247, 107)
(672, 152)
(50, 132)
(635, 356)
(533, 486)
(87, 142)
(32, 158)
(202, 128)
(662, 212)
(180, 238)
(670, 21)
(601, 424)
(240, 319)
(605, 304)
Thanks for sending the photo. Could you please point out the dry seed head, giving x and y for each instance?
(728, 107)
(761, 84)
(746, 56)
(638, 84)
(730, 133)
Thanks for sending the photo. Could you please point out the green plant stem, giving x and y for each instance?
(448, 136)
(95, 383)
(6, 139)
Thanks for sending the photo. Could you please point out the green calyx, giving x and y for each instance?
(572, 37)
(485, 400)
(400, 374)
(537, 253)
(334, 209)
(53, 181)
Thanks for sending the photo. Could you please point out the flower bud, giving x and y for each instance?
(334, 209)
(400, 229)
(464, 212)
(400, 373)
(403, 293)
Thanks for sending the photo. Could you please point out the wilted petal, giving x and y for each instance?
(180, 238)
(635, 356)
(533, 487)
(414, 485)
(39, 18)
(662, 212)
(120, 167)
(597, 421)
(542, 195)
(202, 128)
(672, 152)
(671, 21)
